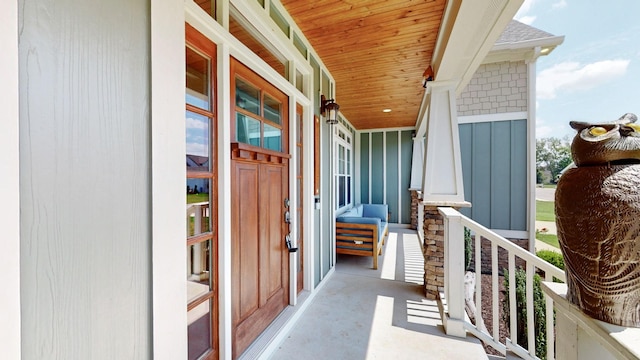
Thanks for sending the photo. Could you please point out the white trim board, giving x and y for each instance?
(471, 119)
(10, 183)
(167, 195)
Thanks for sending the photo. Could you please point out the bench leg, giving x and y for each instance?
(375, 262)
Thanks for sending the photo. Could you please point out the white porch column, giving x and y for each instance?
(442, 176)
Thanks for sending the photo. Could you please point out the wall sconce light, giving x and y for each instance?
(329, 108)
(427, 76)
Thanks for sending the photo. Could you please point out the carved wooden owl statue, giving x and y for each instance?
(597, 208)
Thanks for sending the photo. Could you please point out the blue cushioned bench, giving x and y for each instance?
(362, 231)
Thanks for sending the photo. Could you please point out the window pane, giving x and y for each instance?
(197, 81)
(272, 138)
(198, 270)
(199, 331)
(272, 109)
(197, 141)
(247, 130)
(348, 195)
(208, 6)
(348, 172)
(198, 206)
(299, 81)
(341, 191)
(247, 96)
(340, 159)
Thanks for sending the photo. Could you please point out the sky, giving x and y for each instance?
(594, 75)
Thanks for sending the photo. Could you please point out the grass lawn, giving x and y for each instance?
(196, 198)
(550, 239)
(545, 211)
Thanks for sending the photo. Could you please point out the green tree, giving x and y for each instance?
(553, 155)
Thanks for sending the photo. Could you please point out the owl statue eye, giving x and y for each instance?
(635, 127)
(597, 131)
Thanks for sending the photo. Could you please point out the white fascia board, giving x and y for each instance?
(551, 41)
(468, 32)
(523, 50)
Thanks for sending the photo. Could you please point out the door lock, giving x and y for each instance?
(287, 240)
(287, 217)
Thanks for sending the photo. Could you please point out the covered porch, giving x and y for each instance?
(361, 313)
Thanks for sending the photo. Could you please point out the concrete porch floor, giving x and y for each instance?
(361, 313)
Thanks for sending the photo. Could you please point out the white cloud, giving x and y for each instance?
(559, 5)
(529, 19)
(544, 131)
(523, 13)
(196, 124)
(197, 149)
(525, 8)
(573, 76)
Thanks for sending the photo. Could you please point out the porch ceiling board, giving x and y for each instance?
(376, 50)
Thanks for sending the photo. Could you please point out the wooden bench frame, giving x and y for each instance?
(361, 239)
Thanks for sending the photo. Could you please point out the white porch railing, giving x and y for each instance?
(455, 320)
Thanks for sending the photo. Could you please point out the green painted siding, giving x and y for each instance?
(377, 169)
(406, 152)
(392, 176)
(387, 156)
(494, 168)
(364, 168)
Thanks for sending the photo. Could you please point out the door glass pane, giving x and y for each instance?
(299, 126)
(197, 72)
(340, 159)
(299, 187)
(197, 141)
(247, 96)
(272, 109)
(198, 206)
(198, 270)
(199, 331)
(299, 161)
(272, 138)
(247, 130)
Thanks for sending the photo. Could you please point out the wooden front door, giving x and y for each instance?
(259, 188)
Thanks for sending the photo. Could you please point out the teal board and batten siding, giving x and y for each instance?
(385, 171)
(494, 168)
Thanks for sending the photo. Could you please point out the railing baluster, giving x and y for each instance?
(495, 290)
(531, 346)
(478, 300)
(550, 323)
(513, 311)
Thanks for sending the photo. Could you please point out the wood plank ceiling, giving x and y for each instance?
(376, 50)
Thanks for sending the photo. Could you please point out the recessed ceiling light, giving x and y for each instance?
(386, 110)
